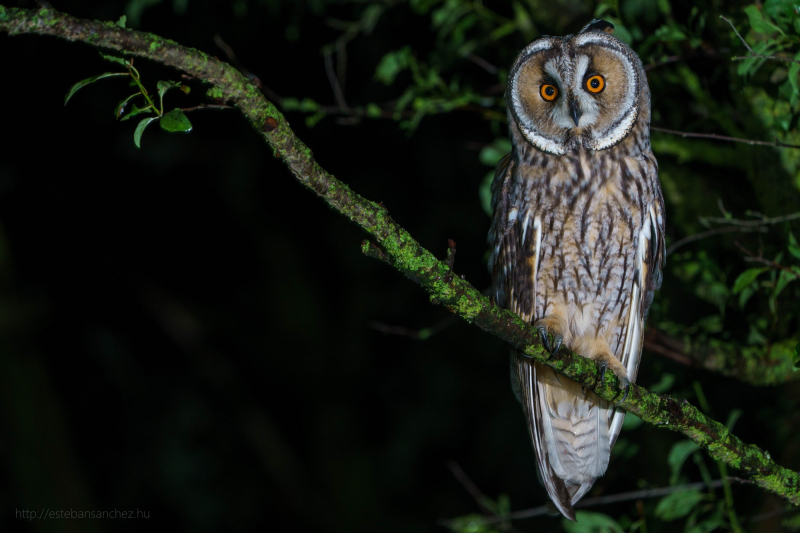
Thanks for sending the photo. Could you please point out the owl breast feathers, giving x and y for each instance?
(577, 238)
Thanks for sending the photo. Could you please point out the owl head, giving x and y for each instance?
(576, 91)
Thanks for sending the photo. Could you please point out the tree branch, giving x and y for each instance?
(603, 500)
(405, 254)
(776, 144)
(758, 365)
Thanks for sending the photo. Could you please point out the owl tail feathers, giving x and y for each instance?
(564, 497)
(561, 499)
(569, 431)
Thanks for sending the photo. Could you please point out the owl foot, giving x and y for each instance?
(552, 347)
(618, 370)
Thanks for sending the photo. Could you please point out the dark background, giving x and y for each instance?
(186, 331)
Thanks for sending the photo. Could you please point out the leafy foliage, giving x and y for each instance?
(172, 121)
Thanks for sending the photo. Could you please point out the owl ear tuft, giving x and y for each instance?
(599, 25)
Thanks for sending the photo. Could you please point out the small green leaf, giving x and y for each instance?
(164, 86)
(678, 504)
(746, 278)
(290, 104)
(114, 59)
(472, 523)
(759, 22)
(663, 384)
(732, 418)
(492, 153)
(792, 523)
(712, 523)
(746, 294)
(136, 111)
(796, 357)
(87, 81)
(312, 120)
(485, 193)
(631, 421)
(122, 20)
(794, 249)
(392, 64)
(120, 109)
(677, 456)
(592, 523)
(784, 278)
(524, 23)
(625, 449)
(307, 105)
(793, 72)
(137, 135)
(175, 121)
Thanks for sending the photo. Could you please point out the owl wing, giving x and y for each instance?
(650, 256)
(501, 232)
(515, 241)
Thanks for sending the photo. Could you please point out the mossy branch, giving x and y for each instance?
(395, 246)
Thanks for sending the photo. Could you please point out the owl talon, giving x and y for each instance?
(625, 384)
(543, 337)
(557, 340)
(553, 347)
(603, 368)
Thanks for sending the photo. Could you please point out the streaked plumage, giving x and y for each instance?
(577, 237)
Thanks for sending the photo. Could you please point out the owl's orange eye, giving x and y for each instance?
(595, 84)
(548, 92)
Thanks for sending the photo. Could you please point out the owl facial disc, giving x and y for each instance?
(575, 91)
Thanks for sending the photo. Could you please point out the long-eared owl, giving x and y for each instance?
(577, 239)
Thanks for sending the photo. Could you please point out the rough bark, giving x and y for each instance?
(395, 246)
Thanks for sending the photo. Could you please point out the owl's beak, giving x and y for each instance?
(575, 112)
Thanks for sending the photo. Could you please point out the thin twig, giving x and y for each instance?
(657, 342)
(205, 106)
(753, 54)
(231, 55)
(761, 221)
(760, 56)
(666, 61)
(674, 59)
(417, 334)
(334, 81)
(753, 258)
(341, 64)
(733, 225)
(485, 65)
(606, 500)
(771, 514)
(737, 34)
(711, 233)
(476, 493)
(714, 136)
